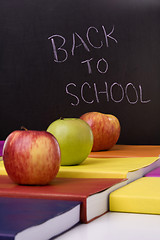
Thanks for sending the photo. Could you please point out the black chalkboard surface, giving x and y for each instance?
(64, 58)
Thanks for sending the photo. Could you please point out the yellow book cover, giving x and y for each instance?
(131, 168)
(2, 168)
(140, 196)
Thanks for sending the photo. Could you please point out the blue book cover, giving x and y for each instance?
(38, 219)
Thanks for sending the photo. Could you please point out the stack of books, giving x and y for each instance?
(122, 180)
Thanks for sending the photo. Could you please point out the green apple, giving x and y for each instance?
(75, 139)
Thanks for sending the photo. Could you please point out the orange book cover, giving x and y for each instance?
(128, 151)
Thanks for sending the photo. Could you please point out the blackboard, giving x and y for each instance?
(64, 58)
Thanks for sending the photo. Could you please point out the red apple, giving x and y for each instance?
(31, 157)
(105, 128)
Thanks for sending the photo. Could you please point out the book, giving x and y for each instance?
(92, 193)
(130, 168)
(140, 196)
(24, 219)
(1, 147)
(129, 151)
(2, 167)
(154, 173)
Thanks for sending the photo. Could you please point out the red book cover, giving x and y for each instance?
(93, 193)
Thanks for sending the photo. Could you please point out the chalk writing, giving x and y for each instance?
(77, 42)
(89, 40)
(116, 92)
(102, 65)
(108, 92)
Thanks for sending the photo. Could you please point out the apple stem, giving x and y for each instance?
(61, 118)
(23, 128)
